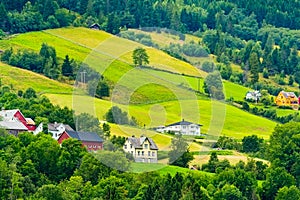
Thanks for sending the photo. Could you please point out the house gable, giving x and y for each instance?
(143, 149)
(287, 99)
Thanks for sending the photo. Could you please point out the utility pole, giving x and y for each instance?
(82, 76)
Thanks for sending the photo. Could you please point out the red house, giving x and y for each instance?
(91, 141)
(16, 116)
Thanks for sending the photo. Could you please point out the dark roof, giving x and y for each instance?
(138, 142)
(95, 25)
(183, 123)
(85, 136)
(53, 126)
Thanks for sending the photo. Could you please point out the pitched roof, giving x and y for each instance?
(85, 136)
(12, 125)
(183, 122)
(288, 94)
(30, 121)
(53, 126)
(8, 114)
(138, 142)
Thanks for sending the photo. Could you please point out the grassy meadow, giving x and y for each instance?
(155, 97)
(22, 79)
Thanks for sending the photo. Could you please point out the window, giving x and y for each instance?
(138, 153)
(146, 146)
(94, 146)
(130, 146)
(142, 153)
(153, 153)
(149, 153)
(131, 152)
(125, 146)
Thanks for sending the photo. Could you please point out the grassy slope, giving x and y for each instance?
(164, 169)
(22, 79)
(109, 55)
(116, 71)
(237, 122)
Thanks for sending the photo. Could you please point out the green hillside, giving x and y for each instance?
(237, 122)
(150, 92)
(22, 79)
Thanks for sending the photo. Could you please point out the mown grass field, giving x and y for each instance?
(22, 79)
(237, 123)
(164, 169)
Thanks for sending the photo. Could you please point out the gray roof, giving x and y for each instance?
(138, 142)
(53, 126)
(183, 123)
(288, 94)
(8, 114)
(85, 136)
(11, 125)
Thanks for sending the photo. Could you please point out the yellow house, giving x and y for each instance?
(143, 149)
(287, 99)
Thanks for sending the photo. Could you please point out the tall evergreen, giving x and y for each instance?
(254, 67)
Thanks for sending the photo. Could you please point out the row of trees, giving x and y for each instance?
(238, 19)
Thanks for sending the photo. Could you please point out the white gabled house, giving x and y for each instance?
(143, 149)
(57, 129)
(182, 127)
(253, 95)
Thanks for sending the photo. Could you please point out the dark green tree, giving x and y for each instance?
(87, 123)
(67, 68)
(251, 143)
(254, 67)
(29, 93)
(116, 115)
(179, 155)
(228, 192)
(276, 179)
(140, 57)
(3, 18)
(288, 193)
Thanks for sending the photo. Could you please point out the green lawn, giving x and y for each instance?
(164, 169)
(217, 118)
(22, 79)
(284, 112)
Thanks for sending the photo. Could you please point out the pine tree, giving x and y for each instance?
(254, 67)
(3, 17)
(66, 68)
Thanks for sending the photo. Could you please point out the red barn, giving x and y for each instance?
(16, 116)
(91, 141)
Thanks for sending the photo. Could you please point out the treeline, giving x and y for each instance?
(238, 18)
(31, 171)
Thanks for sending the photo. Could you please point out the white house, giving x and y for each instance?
(253, 95)
(182, 127)
(143, 149)
(57, 129)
